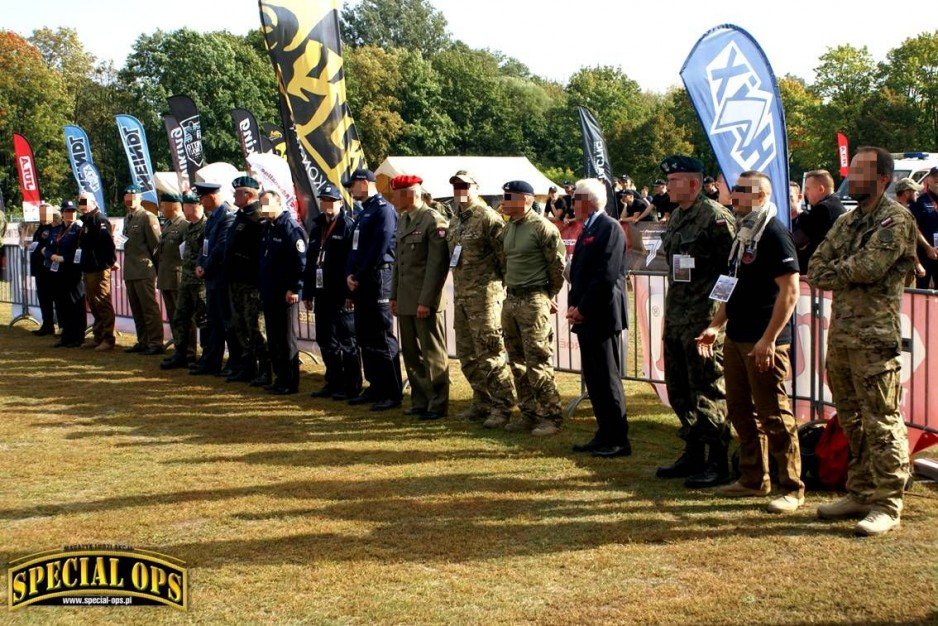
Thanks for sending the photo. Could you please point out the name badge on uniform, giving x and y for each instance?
(723, 289)
(355, 239)
(205, 247)
(320, 280)
(33, 246)
(54, 267)
(78, 255)
(457, 252)
(679, 272)
(934, 239)
(182, 249)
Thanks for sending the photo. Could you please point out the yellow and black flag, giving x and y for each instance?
(302, 38)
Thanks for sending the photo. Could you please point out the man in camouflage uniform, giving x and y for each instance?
(420, 269)
(476, 241)
(534, 260)
(190, 299)
(697, 245)
(142, 230)
(866, 260)
(168, 256)
(242, 263)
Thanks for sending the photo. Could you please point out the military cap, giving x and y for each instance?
(679, 164)
(360, 174)
(568, 183)
(403, 182)
(629, 192)
(206, 188)
(905, 184)
(660, 181)
(170, 197)
(462, 176)
(330, 192)
(518, 186)
(933, 171)
(190, 198)
(245, 181)
(708, 180)
(625, 177)
(132, 188)
(68, 205)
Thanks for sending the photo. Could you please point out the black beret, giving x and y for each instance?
(190, 198)
(132, 188)
(660, 181)
(518, 186)
(170, 197)
(360, 174)
(245, 181)
(709, 179)
(679, 164)
(330, 192)
(206, 188)
(68, 205)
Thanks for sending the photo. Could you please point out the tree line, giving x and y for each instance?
(414, 90)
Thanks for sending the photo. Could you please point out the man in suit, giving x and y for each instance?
(597, 313)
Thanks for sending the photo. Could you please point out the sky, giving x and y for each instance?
(648, 40)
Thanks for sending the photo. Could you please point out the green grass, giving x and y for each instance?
(292, 510)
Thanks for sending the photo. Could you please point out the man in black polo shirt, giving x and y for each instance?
(661, 200)
(759, 297)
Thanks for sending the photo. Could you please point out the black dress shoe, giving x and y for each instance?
(431, 415)
(137, 347)
(414, 411)
(42, 332)
(608, 452)
(153, 350)
(689, 463)
(711, 476)
(172, 364)
(364, 398)
(385, 405)
(340, 396)
(586, 447)
(260, 380)
(325, 392)
(243, 376)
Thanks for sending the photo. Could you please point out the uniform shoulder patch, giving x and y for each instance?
(300, 246)
(441, 233)
(886, 223)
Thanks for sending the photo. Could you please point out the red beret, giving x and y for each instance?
(403, 182)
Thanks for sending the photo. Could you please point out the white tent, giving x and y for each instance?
(490, 172)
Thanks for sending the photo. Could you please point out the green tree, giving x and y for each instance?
(404, 24)
(910, 72)
(372, 77)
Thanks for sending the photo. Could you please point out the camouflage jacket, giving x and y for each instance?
(195, 234)
(866, 260)
(479, 232)
(705, 232)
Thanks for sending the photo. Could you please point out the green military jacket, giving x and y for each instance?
(142, 230)
(168, 259)
(704, 232)
(194, 236)
(479, 233)
(534, 254)
(421, 261)
(866, 260)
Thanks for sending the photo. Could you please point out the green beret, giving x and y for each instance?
(170, 197)
(132, 188)
(245, 181)
(190, 198)
(679, 163)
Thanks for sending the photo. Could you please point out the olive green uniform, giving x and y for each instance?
(190, 304)
(169, 265)
(142, 230)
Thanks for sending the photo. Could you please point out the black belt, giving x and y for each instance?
(525, 291)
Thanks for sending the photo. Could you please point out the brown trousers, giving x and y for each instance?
(757, 406)
(141, 295)
(98, 294)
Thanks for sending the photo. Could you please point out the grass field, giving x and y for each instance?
(290, 510)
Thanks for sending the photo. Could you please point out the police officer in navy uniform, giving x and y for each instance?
(37, 268)
(368, 276)
(211, 268)
(329, 245)
(282, 261)
(65, 270)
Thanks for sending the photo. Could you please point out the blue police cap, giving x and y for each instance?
(206, 188)
(245, 181)
(131, 188)
(68, 205)
(518, 186)
(170, 197)
(680, 164)
(360, 174)
(330, 192)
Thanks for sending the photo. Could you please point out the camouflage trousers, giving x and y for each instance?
(695, 384)
(246, 323)
(529, 341)
(866, 387)
(190, 314)
(480, 350)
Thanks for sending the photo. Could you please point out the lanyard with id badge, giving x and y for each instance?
(723, 289)
(320, 277)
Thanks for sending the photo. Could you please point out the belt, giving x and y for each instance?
(384, 266)
(526, 291)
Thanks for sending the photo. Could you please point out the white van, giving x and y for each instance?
(914, 165)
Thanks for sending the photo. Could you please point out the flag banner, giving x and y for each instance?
(177, 150)
(187, 116)
(732, 87)
(274, 135)
(266, 144)
(596, 157)
(29, 178)
(273, 172)
(138, 156)
(302, 38)
(249, 135)
(843, 154)
(86, 174)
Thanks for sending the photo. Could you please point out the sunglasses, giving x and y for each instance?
(83, 202)
(742, 189)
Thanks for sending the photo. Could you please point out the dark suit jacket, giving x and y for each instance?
(597, 279)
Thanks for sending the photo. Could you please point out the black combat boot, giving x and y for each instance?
(689, 463)
(717, 470)
(263, 377)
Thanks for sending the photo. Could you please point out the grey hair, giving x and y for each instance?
(594, 189)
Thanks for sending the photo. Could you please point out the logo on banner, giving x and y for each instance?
(192, 130)
(179, 145)
(599, 157)
(29, 175)
(90, 180)
(78, 150)
(138, 158)
(743, 109)
(247, 137)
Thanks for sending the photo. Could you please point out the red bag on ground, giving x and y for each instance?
(833, 455)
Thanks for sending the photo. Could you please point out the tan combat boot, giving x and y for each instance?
(876, 523)
(545, 428)
(519, 424)
(848, 506)
(739, 490)
(787, 503)
(495, 420)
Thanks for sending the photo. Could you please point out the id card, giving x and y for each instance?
(33, 246)
(454, 260)
(54, 267)
(78, 256)
(320, 280)
(934, 239)
(182, 250)
(679, 273)
(723, 289)
(355, 234)
(205, 247)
